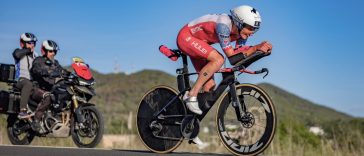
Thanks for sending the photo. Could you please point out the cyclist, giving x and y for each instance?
(44, 71)
(23, 63)
(195, 40)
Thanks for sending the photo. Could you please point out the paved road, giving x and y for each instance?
(60, 151)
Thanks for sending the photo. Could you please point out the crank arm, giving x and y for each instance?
(166, 122)
(168, 138)
(163, 117)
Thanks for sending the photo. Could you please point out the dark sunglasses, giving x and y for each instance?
(30, 42)
(52, 51)
(250, 27)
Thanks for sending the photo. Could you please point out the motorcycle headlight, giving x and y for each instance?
(84, 83)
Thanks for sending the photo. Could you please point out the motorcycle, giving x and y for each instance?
(69, 114)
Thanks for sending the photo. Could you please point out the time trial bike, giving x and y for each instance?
(245, 119)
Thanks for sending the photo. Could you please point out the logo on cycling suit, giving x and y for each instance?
(196, 29)
(199, 47)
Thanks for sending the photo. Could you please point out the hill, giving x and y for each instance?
(119, 94)
(289, 105)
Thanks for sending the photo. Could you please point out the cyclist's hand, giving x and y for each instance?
(265, 46)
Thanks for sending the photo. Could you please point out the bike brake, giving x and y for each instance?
(266, 71)
(263, 70)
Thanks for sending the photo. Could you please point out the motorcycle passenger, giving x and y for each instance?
(195, 40)
(24, 58)
(44, 72)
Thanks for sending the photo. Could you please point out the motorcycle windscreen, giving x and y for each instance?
(82, 70)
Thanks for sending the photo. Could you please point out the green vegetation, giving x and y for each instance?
(119, 94)
(290, 106)
(342, 137)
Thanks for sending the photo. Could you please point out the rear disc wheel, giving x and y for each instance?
(148, 127)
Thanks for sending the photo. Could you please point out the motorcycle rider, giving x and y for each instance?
(24, 58)
(45, 70)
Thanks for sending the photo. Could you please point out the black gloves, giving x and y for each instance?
(28, 51)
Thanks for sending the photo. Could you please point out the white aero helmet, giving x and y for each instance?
(49, 45)
(246, 15)
(28, 37)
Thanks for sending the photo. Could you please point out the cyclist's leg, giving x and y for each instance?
(209, 85)
(45, 100)
(25, 87)
(211, 61)
(215, 61)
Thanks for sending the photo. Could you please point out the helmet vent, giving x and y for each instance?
(254, 11)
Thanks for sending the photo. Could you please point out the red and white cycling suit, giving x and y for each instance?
(195, 38)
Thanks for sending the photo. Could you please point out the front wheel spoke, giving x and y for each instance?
(261, 119)
(86, 135)
(260, 125)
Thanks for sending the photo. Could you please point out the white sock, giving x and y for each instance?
(193, 98)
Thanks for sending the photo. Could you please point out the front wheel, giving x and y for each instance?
(19, 131)
(251, 134)
(89, 133)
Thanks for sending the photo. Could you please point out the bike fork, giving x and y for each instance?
(80, 118)
(239, 107)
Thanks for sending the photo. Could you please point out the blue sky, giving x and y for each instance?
(317, 44)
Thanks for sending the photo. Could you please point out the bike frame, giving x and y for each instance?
(229, 80)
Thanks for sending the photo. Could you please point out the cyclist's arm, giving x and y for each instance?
(265, 46)
(223, 33)
(20, 53)
(240, 43)
(250, 51)
(59, 68)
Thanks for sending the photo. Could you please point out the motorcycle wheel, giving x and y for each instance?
(91, 133)
(15, 134)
